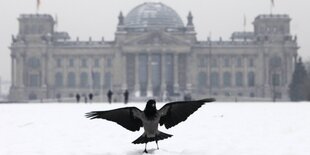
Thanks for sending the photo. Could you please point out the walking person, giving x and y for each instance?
(78, 97)
(110, 94)
(90, 96)
(126, 96)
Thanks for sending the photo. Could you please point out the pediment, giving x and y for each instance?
(156, 38)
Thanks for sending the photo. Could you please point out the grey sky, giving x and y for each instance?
(98, 18)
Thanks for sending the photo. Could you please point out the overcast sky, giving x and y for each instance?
(98, 18)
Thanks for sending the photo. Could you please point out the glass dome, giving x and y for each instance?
(153, 14)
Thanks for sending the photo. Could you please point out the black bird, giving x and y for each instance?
(132, 118)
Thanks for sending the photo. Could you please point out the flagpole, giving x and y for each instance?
(272, 4)
(244, 23)
(38, 6)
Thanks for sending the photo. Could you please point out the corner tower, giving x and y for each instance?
(272, 27)
(29, 52)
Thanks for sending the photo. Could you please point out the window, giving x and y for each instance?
(202, 61)
(239, 79)
(239, 62)
(96, 63)
(202, 80)
(34, 63)
(227, 79)
(251, 62)
(275, 62)
(108, 61)
(58, 62)
(276, 80)
(58, 79)
(251, 79)
(226, 62)
(214, 79)
(71, 62)
(213, 63)
(84, 62)
(71, 80)
(83, 80)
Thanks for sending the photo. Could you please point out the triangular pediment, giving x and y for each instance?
(156, 38)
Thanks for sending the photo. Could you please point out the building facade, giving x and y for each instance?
(154, 54)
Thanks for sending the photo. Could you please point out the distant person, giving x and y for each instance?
(78, 97)
(110, 94)
(90, 96)
(126, 96)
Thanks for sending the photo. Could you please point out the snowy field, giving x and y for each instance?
(215, 129)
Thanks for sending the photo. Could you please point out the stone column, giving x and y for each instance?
(190, 64)
(43, 69)
(163, 77)
(175, 73)
(13, 73)
(101, 72)
(149, 77)
(137, 82)
(124, 83)
(18, 64)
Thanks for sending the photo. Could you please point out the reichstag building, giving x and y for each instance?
(154, 54)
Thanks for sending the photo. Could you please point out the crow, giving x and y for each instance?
(133, 118)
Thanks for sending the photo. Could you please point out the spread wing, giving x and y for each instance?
(129, 118)
(175, 112)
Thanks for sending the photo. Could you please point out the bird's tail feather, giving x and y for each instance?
(144, 139)
(207, 100)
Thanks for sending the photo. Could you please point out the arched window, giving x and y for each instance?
(276, 79)
(34, 80)
(214, 79)
(202, 80)
(34, 63)
(58, 79)
(239, 79)
(227, 79)
(251, 79)
(71, 80)
(83, 80)
(275, 62)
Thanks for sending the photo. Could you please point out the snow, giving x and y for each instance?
(215, 129)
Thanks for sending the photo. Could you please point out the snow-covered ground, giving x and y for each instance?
(215, 129)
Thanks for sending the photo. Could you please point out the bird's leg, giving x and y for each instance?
(145, 148)
(157, 145)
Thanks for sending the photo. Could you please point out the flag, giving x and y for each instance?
(272, 3)
(38, 4)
